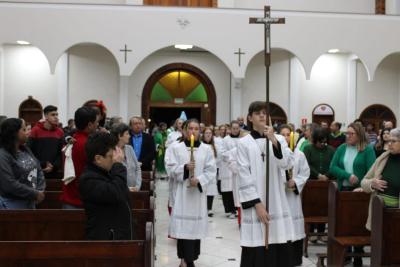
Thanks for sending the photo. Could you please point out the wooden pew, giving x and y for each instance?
(147, 175)
(55, 225)
(56, 185)
(347, 215)
(139, 200)
(314, 199)
(136, 253)
(385, 233)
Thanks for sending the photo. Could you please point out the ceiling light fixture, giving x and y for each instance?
(183, 46)
(333, 51)
(23, 43)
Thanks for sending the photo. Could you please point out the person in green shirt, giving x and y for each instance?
(159, 139)
(352, 160)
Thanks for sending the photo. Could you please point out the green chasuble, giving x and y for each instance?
(160, 138)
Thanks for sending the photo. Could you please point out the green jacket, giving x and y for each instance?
(362, 163)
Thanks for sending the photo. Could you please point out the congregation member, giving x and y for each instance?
(255, 217)
(134, 174)
(336, 138)
(46, 141)
(296, 178)
(86, 120)
(160, 139)
(383, 178)
(176, 133)
(104, 191)
(383, 142)
(306, 138)
(350, 164)
(22, 182)
(142, 143)
(189, 220)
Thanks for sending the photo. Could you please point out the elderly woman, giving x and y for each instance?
(384, 177)
(134, 173)
(22, 182)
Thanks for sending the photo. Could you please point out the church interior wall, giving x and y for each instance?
(93, 74)
(26, 72)
(208, 63)
(384, 89)
(254, 82)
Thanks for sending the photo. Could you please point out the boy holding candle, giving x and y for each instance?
(188, 223)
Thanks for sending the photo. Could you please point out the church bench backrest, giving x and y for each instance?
(137, 253)
(50, 225)
(385, 235)
(56, 185)
(348, 213)
(315, 198)
(139, 200)
(147, 175)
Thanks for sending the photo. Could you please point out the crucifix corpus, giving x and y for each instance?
(126, 50)
(267, 21)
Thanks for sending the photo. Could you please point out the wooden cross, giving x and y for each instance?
(126, 50)
(240, 53)
(267, 21)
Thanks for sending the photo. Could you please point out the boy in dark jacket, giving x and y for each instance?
(104, 190)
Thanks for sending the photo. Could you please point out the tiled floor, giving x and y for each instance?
(221, 247)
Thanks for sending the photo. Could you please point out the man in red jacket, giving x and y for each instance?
(86, 121)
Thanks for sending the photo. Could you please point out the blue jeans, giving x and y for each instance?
(15, 204)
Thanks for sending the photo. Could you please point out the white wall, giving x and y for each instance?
(254, 83)
(209, 64)
(93, 74)
(26, 72)
(384, 89)
(328, 85)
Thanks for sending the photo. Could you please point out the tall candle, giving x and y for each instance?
(192, 141)
(291, 145)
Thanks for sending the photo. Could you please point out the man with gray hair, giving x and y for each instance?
(142, 143)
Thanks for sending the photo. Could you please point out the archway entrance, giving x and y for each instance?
(323, 113)
(278, 115)
(175, 88)
(376, 114)
(30, 111)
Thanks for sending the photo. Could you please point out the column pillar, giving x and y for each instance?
(62, 73)
(236, 98)
(123, 97)
(294, 91)
(351, 100)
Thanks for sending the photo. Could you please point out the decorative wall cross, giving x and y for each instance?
(126, 50)
(240, 53)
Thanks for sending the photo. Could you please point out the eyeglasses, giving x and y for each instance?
(393, 141)
(350, 134)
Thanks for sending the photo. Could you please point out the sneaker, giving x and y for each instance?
(210, 213)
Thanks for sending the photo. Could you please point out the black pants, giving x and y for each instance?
(219, 187)
(210, 200)
(229, 204)
(298, 252)
(189, 250)
(277, 255)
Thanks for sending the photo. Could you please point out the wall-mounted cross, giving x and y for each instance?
(126, 50)
(240, 53)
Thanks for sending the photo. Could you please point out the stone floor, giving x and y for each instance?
(221, 247)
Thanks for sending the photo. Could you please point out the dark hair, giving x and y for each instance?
(255, 107)
(285, 126)
(99, 143)
(338, 124)
(189, 121)
(70, 121)
(49, 109)
(119, 129)
(319, 135)
(380, 144)
(83, 116)
(9, 134)
(234, 122)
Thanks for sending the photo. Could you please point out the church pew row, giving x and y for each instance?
(56, 225)
(136, 253)
(385, 233)
(56, 185)
(139, 200)
(314, 199)
(347, 215)
(147, 175)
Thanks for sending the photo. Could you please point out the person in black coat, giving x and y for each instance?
(104, 191)
(142, 143)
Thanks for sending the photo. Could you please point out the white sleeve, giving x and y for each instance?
(246, 181)
(303, 171)
(172, 165)
(210, 169)
(285, 161)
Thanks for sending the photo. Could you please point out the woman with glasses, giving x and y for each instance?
(352, 160)
(384, 177)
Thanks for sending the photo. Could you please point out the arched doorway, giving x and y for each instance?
(376, 114)
(30, 111)
(175, 88)
(278, 115)
(323, 113)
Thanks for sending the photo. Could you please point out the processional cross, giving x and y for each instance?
(267, 21)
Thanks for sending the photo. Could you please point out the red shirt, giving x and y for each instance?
(70, 193)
